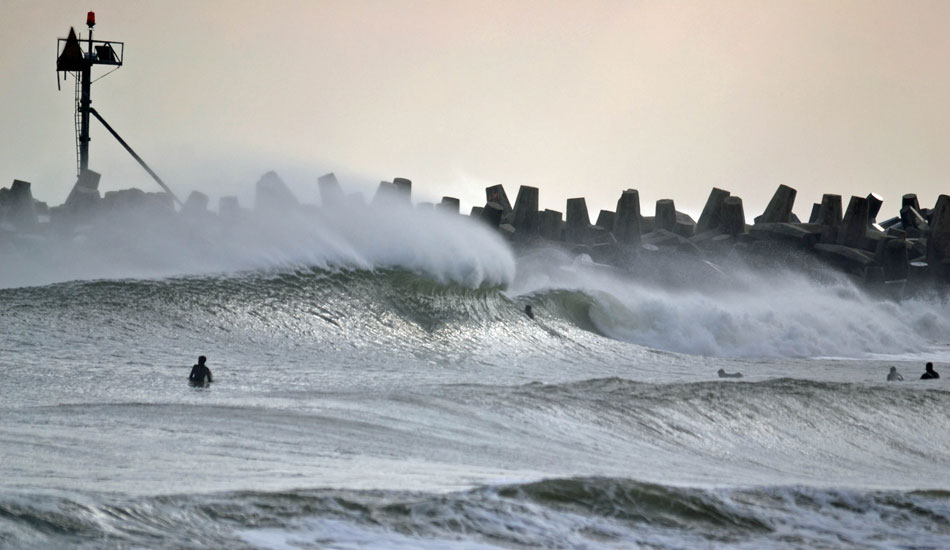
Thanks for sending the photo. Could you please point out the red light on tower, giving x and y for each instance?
(91, 19)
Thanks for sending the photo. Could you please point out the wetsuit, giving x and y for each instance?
(200, 374)
(929, 375)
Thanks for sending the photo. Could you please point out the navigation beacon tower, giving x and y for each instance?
(71, 58)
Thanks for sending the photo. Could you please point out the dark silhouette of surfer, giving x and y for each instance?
(930, 373)
(200, 373)
(723, 374)
(894, 376)
(528, 311)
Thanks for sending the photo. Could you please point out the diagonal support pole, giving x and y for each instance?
(135, 156)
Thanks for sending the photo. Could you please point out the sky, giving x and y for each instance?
(580, 99)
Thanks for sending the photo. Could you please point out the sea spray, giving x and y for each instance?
(743, 311)
(445, 247)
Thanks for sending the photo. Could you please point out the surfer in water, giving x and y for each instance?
(894, 376)
(723, 374)
(930, 373)
(200, 373)
(528, 311)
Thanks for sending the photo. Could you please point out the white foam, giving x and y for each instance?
(340, 535)
(761, 314)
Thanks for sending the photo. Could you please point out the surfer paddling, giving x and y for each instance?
(894, 376)
(200, 373)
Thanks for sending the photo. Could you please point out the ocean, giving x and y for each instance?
(377, 384)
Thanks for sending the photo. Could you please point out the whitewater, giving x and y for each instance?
(378, 385)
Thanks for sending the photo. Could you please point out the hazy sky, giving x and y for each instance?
(578, 98)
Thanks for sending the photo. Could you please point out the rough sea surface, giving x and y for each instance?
(377, 388)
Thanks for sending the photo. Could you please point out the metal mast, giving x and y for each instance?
(85, 100)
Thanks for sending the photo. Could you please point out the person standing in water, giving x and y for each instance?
(894, 376)
(930, 373)
(200, 373)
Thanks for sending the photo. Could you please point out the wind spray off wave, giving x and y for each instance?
(349, 235)
(743, 312)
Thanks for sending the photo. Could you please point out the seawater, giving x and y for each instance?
(378, 385)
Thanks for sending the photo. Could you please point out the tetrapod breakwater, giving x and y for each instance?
(905, 252)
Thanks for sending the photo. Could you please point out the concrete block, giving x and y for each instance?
(938, 242)
(271, 195)
(124, 200)
(684, 225)
(606, 219)
(846, 254)
(525, 217)
(647, 224)
(331, 194)
(779, 209)
(712, 212)
(890, 222)
(85, 193)
(449, 204)
(684, 229)
(476, 212)
(497, 195)
(550, 225)
(910, 199)
(662, 238)
(732, 217)
(911, 218)
(21, 211)
(665, 214)
(492, 213)
(385, 194)
(196, 204)
(815, 209)
(627, 220)
(802, 234)
(403, 189)
(829, 213)
(854, 226)
(706, 236)
(918, 249)
(896, 232)
(599, 236)
(578, 221)
(874, 206)
(893, 258)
